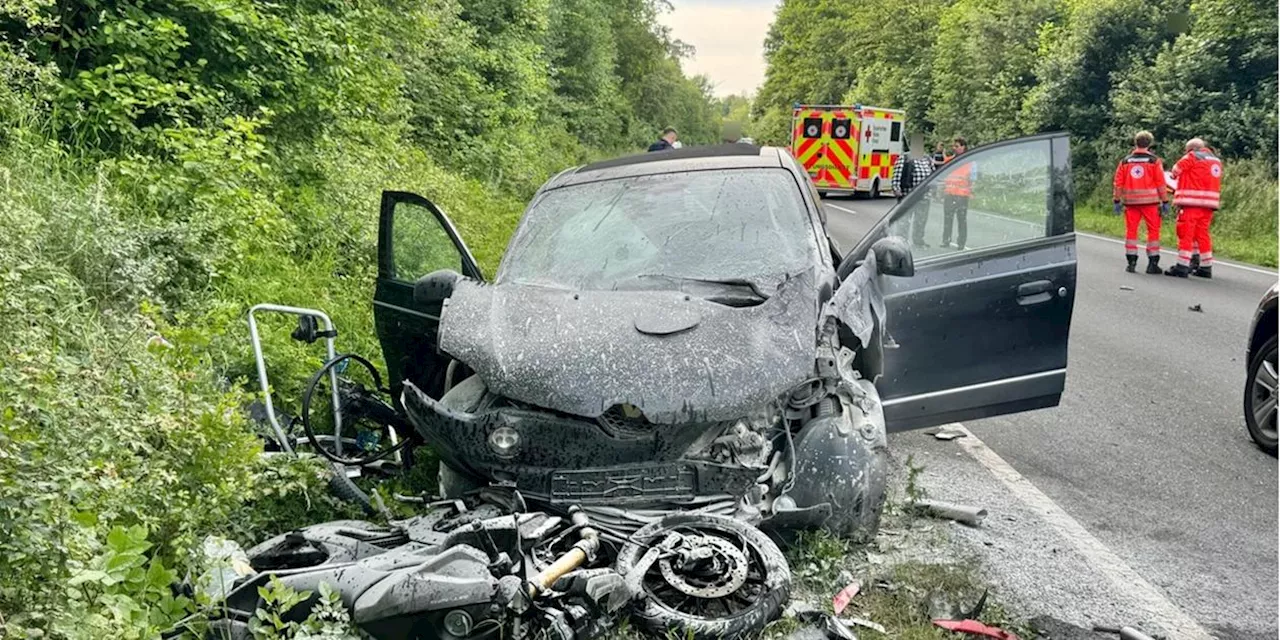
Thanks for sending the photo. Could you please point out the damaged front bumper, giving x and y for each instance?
(562, 460)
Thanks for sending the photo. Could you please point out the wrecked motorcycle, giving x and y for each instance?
(461, 572)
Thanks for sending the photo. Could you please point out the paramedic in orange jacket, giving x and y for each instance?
(957, 188)
(1139, 188)
(1198, 196)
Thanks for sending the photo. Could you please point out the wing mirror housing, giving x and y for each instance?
(893, 257)
(435, 287)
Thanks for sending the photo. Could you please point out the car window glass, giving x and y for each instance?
(707, 225)
(420, 244)
(981, 199)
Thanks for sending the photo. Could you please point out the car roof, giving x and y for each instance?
(702, 158)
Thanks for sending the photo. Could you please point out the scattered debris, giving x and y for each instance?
(960, 513)
(874, 626)
(945, 433)
(838, 630)
(832, 627)
(975, 628)
(1196, 308)
(807, 633)
(1125, 633)
(977, 608)
(841, 600)
(1125, 287)
(799, 609)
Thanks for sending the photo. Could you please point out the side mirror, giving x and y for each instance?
(435, 287)
(893, 257)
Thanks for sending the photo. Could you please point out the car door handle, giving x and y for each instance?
(1035, 292)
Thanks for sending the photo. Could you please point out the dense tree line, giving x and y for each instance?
(993, 69)
(165, 164)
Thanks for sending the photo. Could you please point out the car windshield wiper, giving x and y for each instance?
(737, 292)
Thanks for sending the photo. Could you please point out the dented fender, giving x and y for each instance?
(841, 465)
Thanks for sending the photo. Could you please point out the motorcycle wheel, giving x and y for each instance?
(739, 587)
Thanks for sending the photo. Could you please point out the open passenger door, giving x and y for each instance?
(415, 238)
(981, 328)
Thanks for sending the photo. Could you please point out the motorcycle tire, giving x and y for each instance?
(348, 491)
(657, 617)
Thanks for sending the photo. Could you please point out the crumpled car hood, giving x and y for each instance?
(582, 353)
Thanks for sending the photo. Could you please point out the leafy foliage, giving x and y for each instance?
(165, 165)
(994, 69)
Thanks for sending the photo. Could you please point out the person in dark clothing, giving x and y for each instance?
(939, 155)
(908, 172)
(667, 142)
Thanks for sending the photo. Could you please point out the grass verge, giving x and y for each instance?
(1252, 248)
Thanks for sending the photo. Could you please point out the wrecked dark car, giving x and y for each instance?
(673, 356)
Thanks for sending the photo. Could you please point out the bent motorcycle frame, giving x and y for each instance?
(329, 334)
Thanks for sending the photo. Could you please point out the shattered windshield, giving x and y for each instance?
(678, 230)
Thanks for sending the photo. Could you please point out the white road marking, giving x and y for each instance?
(1103, 559)
(836, 206)
(1216, 261)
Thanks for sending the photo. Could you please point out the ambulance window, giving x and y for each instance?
(895, 133)
(813, 127)
(840, 128)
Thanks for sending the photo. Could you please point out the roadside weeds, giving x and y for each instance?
(1256, 248)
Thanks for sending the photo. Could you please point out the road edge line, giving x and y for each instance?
(1216, 261)
(1103, 559)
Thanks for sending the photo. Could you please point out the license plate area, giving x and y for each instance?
(622, 485)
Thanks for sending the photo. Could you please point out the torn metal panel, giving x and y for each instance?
(858, 302)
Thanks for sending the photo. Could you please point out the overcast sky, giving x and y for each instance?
(729, 38)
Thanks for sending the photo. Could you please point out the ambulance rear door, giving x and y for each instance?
(822, 140)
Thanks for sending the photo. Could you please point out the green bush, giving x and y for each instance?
(164, 166)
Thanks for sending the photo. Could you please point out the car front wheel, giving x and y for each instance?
(1260, 397)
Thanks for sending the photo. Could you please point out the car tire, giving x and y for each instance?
(465, 396)
(875, 189)
(652, 614)
(1260, 397)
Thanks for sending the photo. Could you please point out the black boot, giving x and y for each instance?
(1195, 261)
(1133, 263)
(1203, 272)
(1178, 271)
(1153, 264)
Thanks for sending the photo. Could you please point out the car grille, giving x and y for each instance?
(617, 423)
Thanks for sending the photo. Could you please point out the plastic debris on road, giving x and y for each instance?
(945, 433)
(949, 511)
(1125, 633)
(826, 624)
(974, 628)
(860, 622)
(841, 600)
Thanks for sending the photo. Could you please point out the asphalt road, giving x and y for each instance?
(1148, 449)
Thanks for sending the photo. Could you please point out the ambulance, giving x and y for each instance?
(848, 149)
